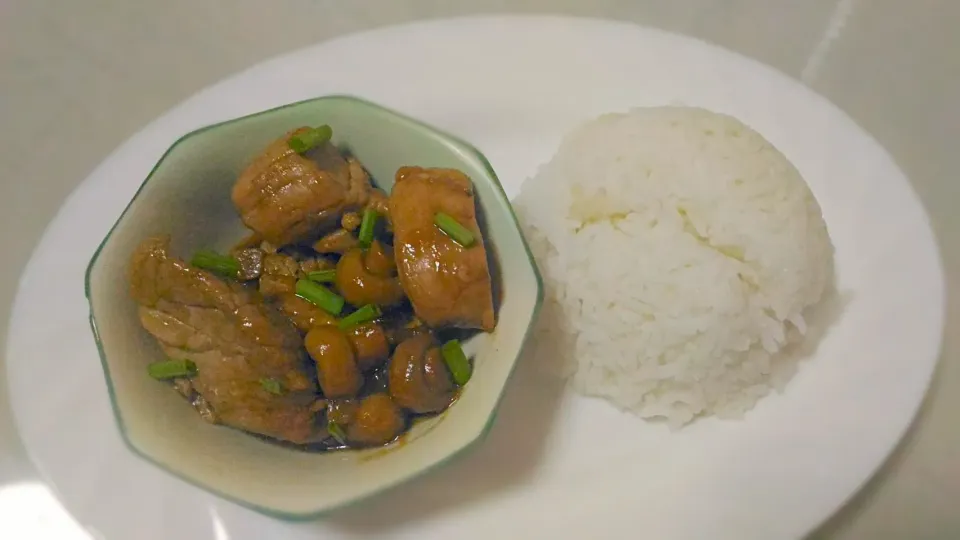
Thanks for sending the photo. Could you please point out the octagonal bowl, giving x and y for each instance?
(187, 195)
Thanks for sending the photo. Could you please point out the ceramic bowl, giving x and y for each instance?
(187, 195)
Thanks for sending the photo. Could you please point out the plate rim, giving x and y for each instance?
(873, 468)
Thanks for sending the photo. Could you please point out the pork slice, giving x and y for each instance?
(235, 340)
(448, 284)
(286, 197)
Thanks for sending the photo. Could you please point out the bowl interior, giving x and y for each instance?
(187, 196)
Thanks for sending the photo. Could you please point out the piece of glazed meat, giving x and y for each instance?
(286, 197)
(236, 341)
(448, 284)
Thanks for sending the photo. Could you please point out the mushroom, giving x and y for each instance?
(361, 287)
(370, 345)
(418, 378)
(339, 241)
(378, 260)
(376, 421)
(337, 370)
(303, 314)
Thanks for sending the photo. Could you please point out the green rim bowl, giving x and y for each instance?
(187, 195)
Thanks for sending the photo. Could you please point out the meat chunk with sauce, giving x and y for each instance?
(286, 197)
(235, 340)
(448, 284)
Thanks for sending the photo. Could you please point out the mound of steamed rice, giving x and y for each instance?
(679, 251)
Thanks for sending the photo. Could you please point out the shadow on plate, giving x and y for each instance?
(510, 455)
(514, 448)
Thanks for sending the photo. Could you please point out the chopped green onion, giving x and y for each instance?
(320, 296)
(451, 228)
(365, 314)
(456, 361)
(172, 369)
(207, 259)
(337, 432)
(303, 142)
(322, 276)
(367, 224)
(272, 386)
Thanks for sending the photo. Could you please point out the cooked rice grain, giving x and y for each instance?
(680, 251)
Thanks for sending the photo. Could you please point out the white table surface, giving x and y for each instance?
(79, 76)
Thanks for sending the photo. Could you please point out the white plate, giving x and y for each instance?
(553, 467)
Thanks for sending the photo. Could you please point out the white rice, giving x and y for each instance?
(679, 251)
